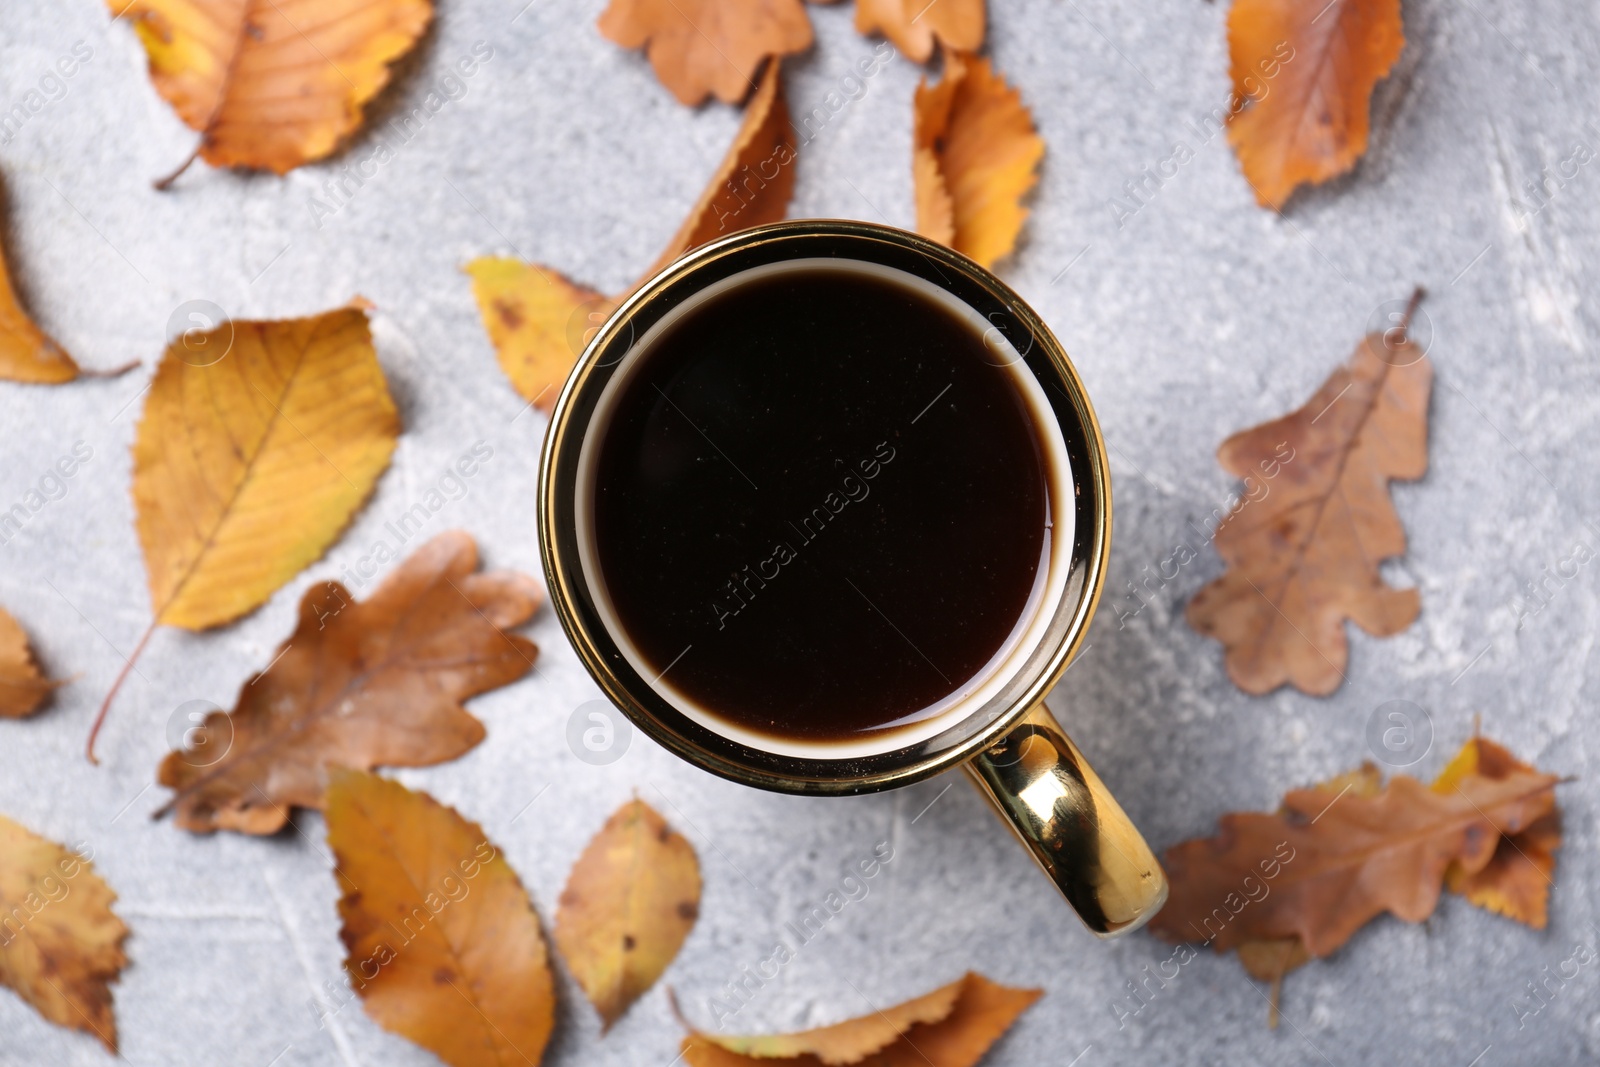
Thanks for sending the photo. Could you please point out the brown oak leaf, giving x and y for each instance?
(1303, 75)
(442, 943)
(539, 321)
(1329, 861)
(377, 682)
(704, 47)
(951, 1027)
(22, 687)
(975, 155)
(631, 899)
(271, 84)
(915, 26)
(60, 943)
(1303, 545)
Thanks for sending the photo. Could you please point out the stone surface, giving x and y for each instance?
(1198, 315)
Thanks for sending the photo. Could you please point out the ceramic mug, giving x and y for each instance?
(1009, 744)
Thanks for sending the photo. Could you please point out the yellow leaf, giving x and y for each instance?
(630, 901)
(915, 25)
(27, 354)
(60, 943)
(247, 468)
(272, 84)
(975, 154)
(22, 687)
(539, 322)
(951, 1027)
(442, 944)
(529, 314)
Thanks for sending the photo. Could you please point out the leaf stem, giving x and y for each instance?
(105, 705)
(110, 372)
(163, 183)
(1411, 309)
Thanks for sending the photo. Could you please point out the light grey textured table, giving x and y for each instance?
(1201, 314)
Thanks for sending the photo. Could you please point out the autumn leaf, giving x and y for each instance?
(22, 687)
(258, 443)
(951, 1027)
(1303, 546)
(271, 84)
(60, 945)
(1329, 862)
(630, 901)
(913, 26)
(539, 322)
(27, 354)
(442, 943)
(704, 47)
(1517, 879)
(377, 682)
(975, 154)
(1303, 75)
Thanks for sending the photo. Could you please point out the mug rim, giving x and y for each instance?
(586, 630)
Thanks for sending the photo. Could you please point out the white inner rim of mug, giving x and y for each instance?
(987, 682)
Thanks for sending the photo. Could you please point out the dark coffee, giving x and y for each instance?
(820, 504)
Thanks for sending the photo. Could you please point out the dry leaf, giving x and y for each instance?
(914, 25)
(1517, 879)
(60, 944)
(1303, 557)
(22, 688)
(700, 47)
(1303, 75)
(442, 943)
(271, 84)
(259, 441)
(27, 354)
(951, 1027)
(361, 684)
(975, 155)
(1329, 862)
(539, 321)
(630, 901)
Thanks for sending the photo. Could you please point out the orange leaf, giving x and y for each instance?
(700, 47)
(1517, 879)
(272, 84)
(630, 901)
(915, 25)
(1329, 862)
(27, 354)
(1303, 75)
(22, 687)
(1303, 555)
(443, 945)
(358, 684)
(975, 155)
(539, 322)
(951, 1027)
(60, 944)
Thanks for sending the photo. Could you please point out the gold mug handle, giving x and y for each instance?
(1069, 822)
